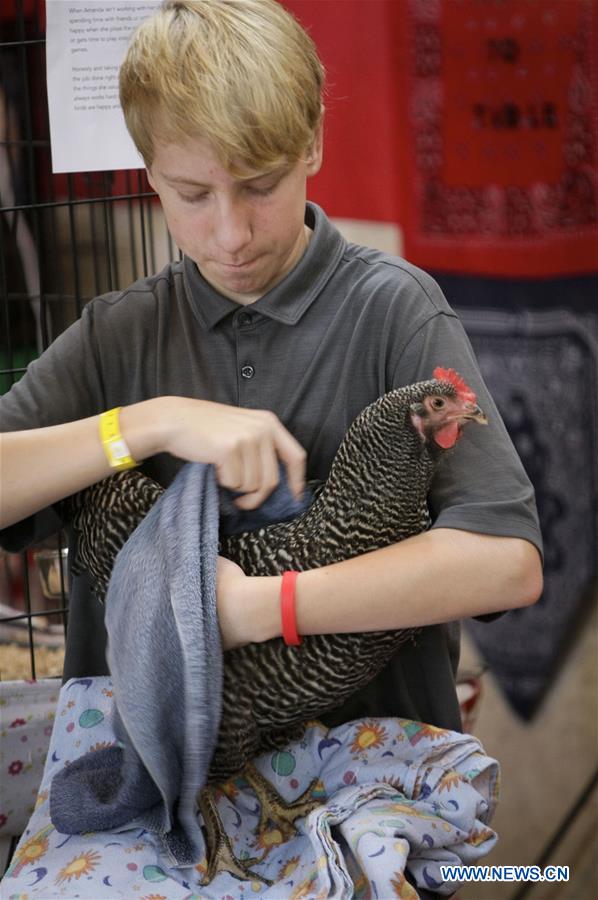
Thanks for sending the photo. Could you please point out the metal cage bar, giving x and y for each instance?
(63, 240)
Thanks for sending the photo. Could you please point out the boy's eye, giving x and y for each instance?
(192, 198)
(257, 190)
(261, 191)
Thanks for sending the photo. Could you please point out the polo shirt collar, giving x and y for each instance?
(288, 301)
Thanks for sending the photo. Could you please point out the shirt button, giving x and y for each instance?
(247, 371)
(244, 320)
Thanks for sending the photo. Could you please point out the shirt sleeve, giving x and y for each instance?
(63, 385)
(481, 485)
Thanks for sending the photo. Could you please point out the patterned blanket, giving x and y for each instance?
(540, 362)
(399, 798)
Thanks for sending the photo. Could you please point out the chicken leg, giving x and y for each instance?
(273, 808)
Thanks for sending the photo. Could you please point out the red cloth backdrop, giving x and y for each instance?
(359, 178)
(473, 125)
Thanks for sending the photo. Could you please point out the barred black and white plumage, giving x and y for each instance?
(375, 495)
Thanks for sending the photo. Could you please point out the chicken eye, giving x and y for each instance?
(437, 402)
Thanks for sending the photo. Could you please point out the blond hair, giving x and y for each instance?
(242, 74)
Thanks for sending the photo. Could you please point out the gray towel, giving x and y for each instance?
(280, 506)
(163, 637)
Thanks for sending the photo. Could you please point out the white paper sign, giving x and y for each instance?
(86, 41)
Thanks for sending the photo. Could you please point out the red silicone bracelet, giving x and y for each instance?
(287, 609)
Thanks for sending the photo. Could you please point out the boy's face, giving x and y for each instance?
(244, 235)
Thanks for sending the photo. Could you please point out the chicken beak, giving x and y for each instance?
(475, 414)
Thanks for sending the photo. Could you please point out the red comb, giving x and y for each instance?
(464, 392)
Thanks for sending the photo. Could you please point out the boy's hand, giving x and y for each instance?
(248, 609)
(244, 445)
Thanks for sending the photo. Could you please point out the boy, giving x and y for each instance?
(261, 345)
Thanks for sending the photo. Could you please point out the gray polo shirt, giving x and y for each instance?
(347, 324)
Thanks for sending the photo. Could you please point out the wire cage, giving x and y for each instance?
(64, 239)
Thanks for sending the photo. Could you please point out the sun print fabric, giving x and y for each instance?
(398, 798)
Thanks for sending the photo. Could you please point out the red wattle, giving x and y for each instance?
(447, 437)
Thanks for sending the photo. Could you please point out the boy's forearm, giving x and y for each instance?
(245, 446)
(43, 465)
(439, 576)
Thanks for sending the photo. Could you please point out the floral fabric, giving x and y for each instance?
(398, 799)
(27, 710)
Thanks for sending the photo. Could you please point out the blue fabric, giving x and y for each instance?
(165, 658)
(537, 346)
(280, 506)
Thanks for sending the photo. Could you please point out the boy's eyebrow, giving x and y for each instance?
(181, 179)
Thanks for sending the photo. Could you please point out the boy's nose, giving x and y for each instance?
(233, 229)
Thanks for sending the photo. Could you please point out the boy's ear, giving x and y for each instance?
(315, 152)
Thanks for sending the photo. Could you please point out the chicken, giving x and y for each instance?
(375, 495)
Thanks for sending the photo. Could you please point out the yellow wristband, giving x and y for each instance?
(114, 444)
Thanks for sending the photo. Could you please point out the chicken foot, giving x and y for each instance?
(273, 808)
(219, 849)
